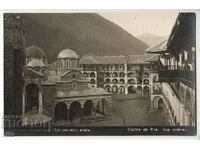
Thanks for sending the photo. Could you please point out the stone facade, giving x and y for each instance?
(125, 78)
(59, 92)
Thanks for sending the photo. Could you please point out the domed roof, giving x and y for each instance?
(36, 63)
(67, 53)
(34, 52)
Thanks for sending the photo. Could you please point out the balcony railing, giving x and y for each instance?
(177, 74)
(172, 73)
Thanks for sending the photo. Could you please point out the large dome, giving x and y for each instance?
(67, 53)
(34, 52)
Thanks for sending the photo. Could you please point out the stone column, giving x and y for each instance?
(187, 118)
(68, 115)
(178, 113)
(68, 110)
(109, 111)
(95, 108)
(40, 100)
(175, 109)
(182, 115)
(82, 107)
(151, 101)
(126, 89)
(100, 105)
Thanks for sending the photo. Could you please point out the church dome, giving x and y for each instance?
(36, 63)
(67, 53)
(34, 52)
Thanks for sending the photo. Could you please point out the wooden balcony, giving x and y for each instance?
(185, 76)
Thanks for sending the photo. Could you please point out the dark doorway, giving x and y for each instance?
(61, 112)
(131, 90)
(31, 103)
(146, 90)
(160, 104)
(139, 90)
(75, 110)
(87, 110)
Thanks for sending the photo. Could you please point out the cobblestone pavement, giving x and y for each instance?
(131, 110)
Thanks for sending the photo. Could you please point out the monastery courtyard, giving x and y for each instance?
(130, 110)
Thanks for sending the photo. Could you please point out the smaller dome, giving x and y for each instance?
(34, 52)
(36, 63)
(67, 53)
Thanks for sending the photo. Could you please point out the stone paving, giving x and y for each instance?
(132, 110)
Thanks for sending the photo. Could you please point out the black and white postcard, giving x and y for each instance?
(100, 73)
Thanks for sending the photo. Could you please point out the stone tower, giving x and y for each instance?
(13, 64)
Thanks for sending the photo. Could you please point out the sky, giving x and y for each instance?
(158, 22)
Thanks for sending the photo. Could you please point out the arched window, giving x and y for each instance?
(121, 81)
(139, 90)
(115, 89)
(122, 74)
(107, 74)
(146, 90)
(114, 74)
(121, 89)
(92, 81)
(131, 81)
(115, 81)
(107, 81)
(92, 74)
(146, 75)
(85, 74)
(31, 95)
(146, 81)
(108, 88)
(131, 75)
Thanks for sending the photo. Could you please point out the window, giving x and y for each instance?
(74, 84)
(73, 75)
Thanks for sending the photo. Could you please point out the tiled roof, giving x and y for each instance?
(130, 59)
(103, 60)
(154, 57)
(36, 63)
(81, 92)
(32, 72)
(141, 59)
(157, 48)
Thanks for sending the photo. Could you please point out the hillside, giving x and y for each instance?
(86, 33)
(150, 39)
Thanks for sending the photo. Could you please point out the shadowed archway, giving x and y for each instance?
(75, 110)
(88, 106)
(61, 111)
